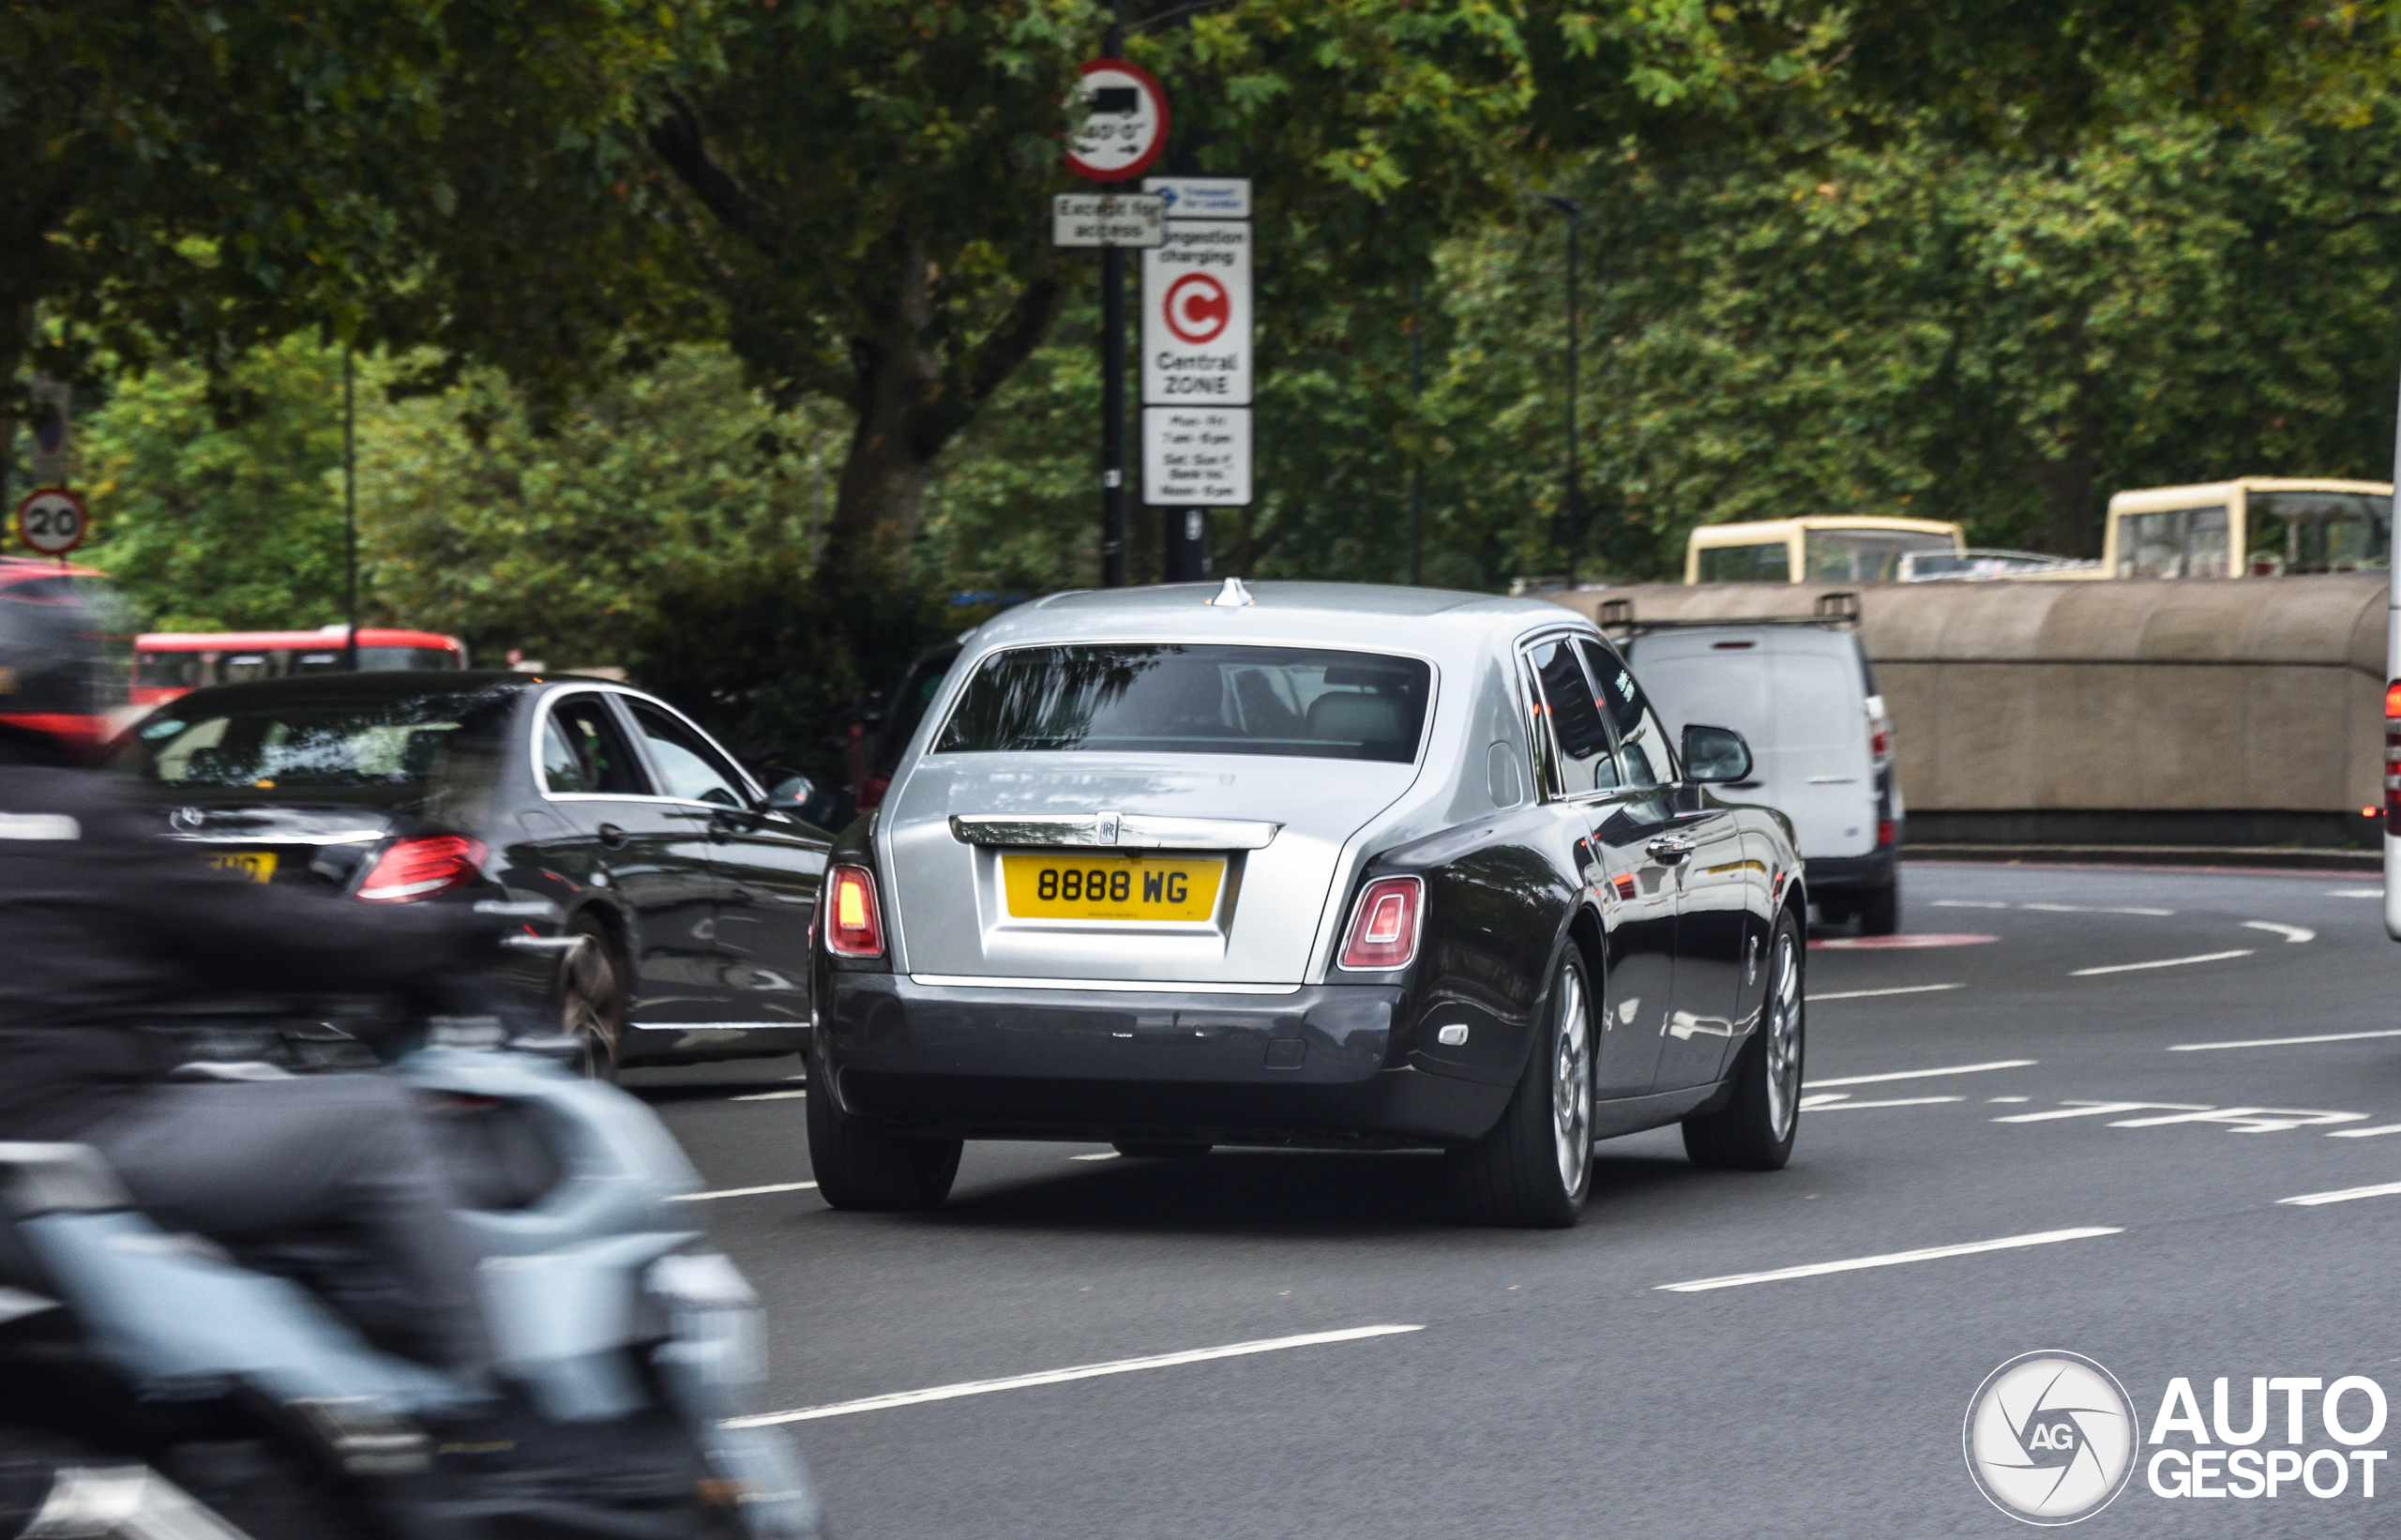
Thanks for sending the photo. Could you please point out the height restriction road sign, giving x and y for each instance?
(53, 521)
(1125, 124)
(1195, 315)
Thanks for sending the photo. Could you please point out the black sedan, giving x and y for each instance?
(696, 888)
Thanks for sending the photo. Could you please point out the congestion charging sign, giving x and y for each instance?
(1196, 347)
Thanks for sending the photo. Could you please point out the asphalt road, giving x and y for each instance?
(1550, 1385)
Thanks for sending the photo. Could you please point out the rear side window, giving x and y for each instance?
(1575, 722)
(1643, 755)
(1171, 698)
(583, 751)
(689, 768)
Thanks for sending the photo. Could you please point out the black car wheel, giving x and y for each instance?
(593, 999)
(857, 1166)
(1754, 1130)
(1534, 1167)
(1879, 909)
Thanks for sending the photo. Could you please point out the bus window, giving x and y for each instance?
(2173, 543)
(2297, 532)
(245, 668)
(1746, 563)
(1864, 555)
(174, 670)
(393, 659)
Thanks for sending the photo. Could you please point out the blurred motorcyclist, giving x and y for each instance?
(103, 919)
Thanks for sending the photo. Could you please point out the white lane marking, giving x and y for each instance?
(1970, 904)
(743, 1192)
(770, 1096)
(2280, 1042)
(1055, 1377)
(2355, 893)
(2100, 1109)
(2007, 1243)
(2366, 1132)
(2248, 1119)
(1869, 994)
(1997, 1100)
(2343, 1195)
(2290, 932)
(1837, 1101)
(2098, 909)
(2162, 962)
(1105, 1154)
(1918, 1074)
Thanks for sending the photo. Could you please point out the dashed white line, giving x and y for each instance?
(1836, 1102)
(1853, 1264)
(743, 1192)
(1055, 1377)
(2290, 932)
(1918, 1074)
(1105, 1154)
(1868, 994)
(1969, 903)
(2343, 1195)
(770, 1096)
(2102, 1109)
(2355, 893)
(2281, 1042)
(2098, 909)
(2162, 962)
(2366, 1132)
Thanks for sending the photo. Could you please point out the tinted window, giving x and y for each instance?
(1864, 555)
(1769, 562)
(1574, 718)
(2318, 531)
(1643, 755)
(1177, 699)
(308, 744)
(688, 767)
(602, 763)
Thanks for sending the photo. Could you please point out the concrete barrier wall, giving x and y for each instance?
(2238, 712)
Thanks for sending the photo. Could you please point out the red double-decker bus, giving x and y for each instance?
(167, 664)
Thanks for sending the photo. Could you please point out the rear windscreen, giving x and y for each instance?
(1193, 699)
(402, 742)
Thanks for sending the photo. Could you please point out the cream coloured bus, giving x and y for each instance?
(2253, 526)
(1827, 548)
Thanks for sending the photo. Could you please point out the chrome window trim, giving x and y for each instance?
(549, 698)
(1121, 985)
(1546, 774)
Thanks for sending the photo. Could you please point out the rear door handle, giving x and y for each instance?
(1668, 849)
(611, 835)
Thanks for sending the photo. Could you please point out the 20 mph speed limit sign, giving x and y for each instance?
(53, 521)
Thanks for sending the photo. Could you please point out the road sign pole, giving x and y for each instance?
(350, 504)
(1112, 416)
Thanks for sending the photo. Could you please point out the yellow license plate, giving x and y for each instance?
(1112, 887)
(258, 866)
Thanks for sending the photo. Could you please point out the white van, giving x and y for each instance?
(1803, 695)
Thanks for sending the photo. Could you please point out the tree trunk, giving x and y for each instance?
(2070, 500)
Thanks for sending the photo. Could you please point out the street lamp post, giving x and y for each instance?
(1575, 513)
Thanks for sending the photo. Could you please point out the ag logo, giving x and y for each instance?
(2050, 1437)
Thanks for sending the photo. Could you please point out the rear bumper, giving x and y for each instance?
(994, 1062)
(1831, 874)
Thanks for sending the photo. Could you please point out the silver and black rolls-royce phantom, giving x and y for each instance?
(1307, 864)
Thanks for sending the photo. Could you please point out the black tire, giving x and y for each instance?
(1754, 1131)
(1880, 910)
(1149, 1150)
(857, 1167)
(594, 1001)
(1535, 1168)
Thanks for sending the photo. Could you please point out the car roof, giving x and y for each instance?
(1372, 615)
(396, 684)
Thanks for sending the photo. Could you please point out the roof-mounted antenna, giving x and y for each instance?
(1233, 595)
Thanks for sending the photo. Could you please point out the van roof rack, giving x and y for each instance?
(1839, 609)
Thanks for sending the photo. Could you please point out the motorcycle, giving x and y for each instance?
(153, 1386)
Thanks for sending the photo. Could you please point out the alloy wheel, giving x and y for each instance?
(1571, 1084)
(1783, 1040)
(589, 1000)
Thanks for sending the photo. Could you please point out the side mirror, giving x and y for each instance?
(789, 791)
(1715, 755)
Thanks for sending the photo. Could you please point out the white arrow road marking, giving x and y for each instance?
(2343, 1195)
(2248, 1119)
(1869, 994)
(1811, 1270)
(2290, 932)
(2281, 1042)
(2366, 1132)
(743, 1192)
(1055, 1377)
(2162, 962)
(1918, 1074)
(2100, 1109)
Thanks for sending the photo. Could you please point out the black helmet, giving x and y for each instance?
(64, 643)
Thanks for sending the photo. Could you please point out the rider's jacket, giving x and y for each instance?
(103, 918)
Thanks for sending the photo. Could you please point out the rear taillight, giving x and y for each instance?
(853, 929)
(421, 867)
(1883, 831)
(1880, 741)
(1383, 928)
(2393, 756)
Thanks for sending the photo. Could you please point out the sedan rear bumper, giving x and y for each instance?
(998, 1063)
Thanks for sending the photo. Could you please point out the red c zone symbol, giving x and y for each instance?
(1197, 307)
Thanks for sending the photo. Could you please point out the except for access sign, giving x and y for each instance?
(53, 521)
(1107, 218)
(1195, 315)
(1196, 457)
(1124, 124)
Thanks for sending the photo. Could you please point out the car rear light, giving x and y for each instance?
(1880, 741)
(421, 867)
(1383, 928)
(2392, 756)
(856, 930)
(1883, 831)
